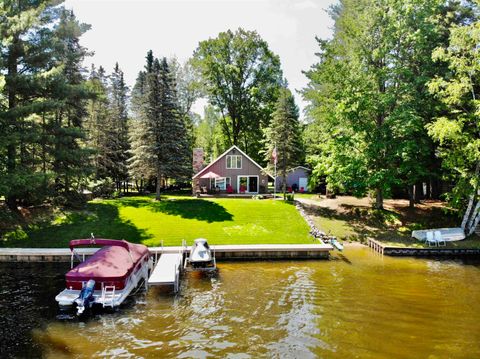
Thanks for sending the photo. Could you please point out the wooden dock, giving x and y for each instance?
(421, 252)
(222, 252)
(167, 271)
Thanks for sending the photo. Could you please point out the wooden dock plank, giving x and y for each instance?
(255, 251)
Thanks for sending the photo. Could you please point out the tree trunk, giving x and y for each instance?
(12, 62)
(436, 188)
(378, 198)
(428, 195)
(158, 186)
(411, 197)
(418, 192)
(466, 216)
(475, 224)
(471, 223)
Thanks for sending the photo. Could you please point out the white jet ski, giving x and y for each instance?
(201, 257)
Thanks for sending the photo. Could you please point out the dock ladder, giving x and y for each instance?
(108, 296)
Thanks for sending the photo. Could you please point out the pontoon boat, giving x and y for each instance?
(107, 277)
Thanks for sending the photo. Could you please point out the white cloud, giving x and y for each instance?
(124, 30)
(308, 4)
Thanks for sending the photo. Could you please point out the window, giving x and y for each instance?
(222, 183)
(234, 162)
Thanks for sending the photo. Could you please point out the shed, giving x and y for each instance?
(297, 179)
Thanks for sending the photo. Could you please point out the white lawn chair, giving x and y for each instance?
(430, 239)
(437, 236)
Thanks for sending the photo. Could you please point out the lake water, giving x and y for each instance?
(357, 304)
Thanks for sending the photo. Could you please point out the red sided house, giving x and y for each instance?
(232, 172)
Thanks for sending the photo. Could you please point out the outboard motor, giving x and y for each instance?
(85, 299)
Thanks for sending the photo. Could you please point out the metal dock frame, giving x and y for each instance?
(167, 269)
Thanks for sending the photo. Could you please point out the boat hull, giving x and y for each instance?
(67, 297)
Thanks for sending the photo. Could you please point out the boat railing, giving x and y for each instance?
(73, 255)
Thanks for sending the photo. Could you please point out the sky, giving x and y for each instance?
(124, 30)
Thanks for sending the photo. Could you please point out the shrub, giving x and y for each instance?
(290, 197)
(103, 188)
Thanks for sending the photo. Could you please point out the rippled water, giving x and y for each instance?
(357, 304)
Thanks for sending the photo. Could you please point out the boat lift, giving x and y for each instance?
(168, 266)
(200, 258)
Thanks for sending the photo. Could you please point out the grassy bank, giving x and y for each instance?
(143, 220)
(353, 219)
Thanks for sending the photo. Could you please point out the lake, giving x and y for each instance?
(357, 304)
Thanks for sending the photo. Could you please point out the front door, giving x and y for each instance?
(252, 184)
(247, 184)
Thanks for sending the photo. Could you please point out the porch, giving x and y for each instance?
(232, 185)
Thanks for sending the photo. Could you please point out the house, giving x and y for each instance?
(232, 172)
(297, 179)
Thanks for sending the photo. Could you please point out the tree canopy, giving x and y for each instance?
(369, 97)
(241, 77)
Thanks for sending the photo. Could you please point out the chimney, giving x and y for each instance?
(198, 161)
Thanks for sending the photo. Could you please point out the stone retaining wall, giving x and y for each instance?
(314, 231)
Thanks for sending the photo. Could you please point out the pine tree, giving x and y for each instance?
(26, 69)
(70, 159)
(138, 166)
(159, 139)
(119, 121)
(284, 135)
(96, 124)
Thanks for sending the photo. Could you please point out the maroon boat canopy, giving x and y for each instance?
(114, 262)
(99, 242)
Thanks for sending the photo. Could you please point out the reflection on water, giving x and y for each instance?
(355, 305)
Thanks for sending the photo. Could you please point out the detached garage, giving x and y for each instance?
(297, 179)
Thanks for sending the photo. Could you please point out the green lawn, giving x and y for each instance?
(393, 227)
(143, 220)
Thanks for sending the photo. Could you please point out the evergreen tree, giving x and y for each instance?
(119, 127)
(159, 140)
(96, 124)
(26, 74)
(283, 136)
(70, 159)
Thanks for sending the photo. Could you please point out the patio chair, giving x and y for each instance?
(437, 235)
(430, 239)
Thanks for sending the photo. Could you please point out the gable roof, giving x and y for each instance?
(224, 154)
(294, 168)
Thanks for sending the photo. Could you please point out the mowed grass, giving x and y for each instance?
(143, 220)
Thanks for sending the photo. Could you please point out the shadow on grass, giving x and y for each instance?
(199, 209)
(101, 219)
(389, 226)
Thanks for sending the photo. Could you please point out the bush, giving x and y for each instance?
(290, 197)
(103, 188)
(16, 235)
(71, 199)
